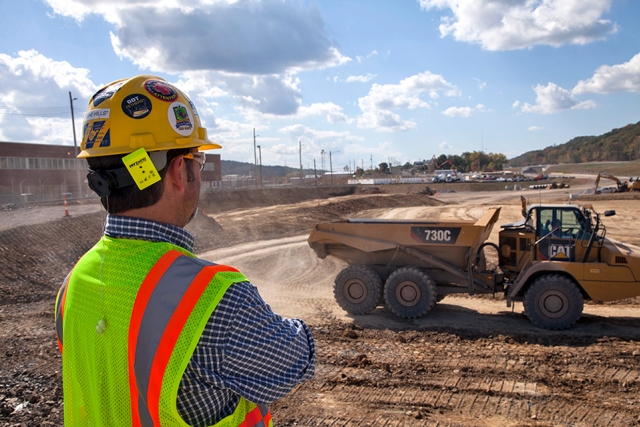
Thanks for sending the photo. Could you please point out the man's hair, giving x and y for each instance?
(131, 197)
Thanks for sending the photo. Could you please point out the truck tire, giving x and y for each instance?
(553, 302)
(358, 289)
(410, 292)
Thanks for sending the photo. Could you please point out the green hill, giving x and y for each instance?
(621, 144)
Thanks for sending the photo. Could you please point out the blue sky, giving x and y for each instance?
(369, 81)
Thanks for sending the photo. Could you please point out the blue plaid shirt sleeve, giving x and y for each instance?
(245, 350)
(266, 355)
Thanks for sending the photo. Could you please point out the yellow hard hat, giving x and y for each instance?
(141, 112)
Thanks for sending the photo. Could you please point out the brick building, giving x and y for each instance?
(41, 172)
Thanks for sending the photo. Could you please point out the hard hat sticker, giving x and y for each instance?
(141, 168)
(193, 107)
(96, 132)
(161, 90)
(136, 106)
(181, 118)
(106, 93)
(100, 113)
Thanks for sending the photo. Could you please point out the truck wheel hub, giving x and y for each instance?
(355, 291)
(554, 304)
(408, 293)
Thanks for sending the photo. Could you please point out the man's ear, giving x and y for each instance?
(174, 176)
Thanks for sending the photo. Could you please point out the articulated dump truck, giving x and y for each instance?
(553, 260)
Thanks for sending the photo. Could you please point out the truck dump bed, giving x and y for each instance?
(399, 243)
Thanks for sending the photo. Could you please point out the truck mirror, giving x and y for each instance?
(609, 213)
(523, 201)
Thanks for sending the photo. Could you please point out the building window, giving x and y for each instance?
(50, 164)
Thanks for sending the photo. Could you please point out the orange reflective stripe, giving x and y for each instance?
(144, 293)
(172, 332)
(63, 299)
(255, 417)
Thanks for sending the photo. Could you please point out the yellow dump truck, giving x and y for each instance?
(554, 259)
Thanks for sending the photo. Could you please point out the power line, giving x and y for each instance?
(35, 111)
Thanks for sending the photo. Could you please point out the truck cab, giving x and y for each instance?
(549, 233)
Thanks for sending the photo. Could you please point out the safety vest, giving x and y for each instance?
(128, 319)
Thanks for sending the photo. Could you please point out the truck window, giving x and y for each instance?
(545, 217)
(572, 225)
(567, 223)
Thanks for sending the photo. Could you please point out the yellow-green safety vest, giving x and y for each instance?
(128, 318)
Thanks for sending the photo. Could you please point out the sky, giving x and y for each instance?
(355, 82)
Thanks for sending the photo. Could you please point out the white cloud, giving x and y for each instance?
(298, 131)
(361, 79)
(463, 111)
(613, 78)
(535, 128)
(35, 90)
(243, 36)
(332, 112)
(276, 95)
(521, 24)
(377, 105)
(445, 146)
(313, 142)
(480, 83)
(370, 55)
(551, 99)
(246, 50)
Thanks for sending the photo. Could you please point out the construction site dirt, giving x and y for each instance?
(471, 361)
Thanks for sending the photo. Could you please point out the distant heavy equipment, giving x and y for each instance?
(554, 259)
(553, 185)
(621, 187)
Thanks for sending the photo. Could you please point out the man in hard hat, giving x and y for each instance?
(150, 335)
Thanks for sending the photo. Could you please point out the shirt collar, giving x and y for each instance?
(127, 227)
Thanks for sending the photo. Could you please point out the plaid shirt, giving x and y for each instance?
(245, 349)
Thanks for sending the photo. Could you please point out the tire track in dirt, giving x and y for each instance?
(441, 379)
(286, 274)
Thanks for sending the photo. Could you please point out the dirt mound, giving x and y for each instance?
(36, 258)
(271, 223)
(246, 198)
(633, 195)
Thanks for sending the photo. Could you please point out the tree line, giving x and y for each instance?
(621, 144)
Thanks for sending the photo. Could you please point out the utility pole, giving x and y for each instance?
(331, 167)
(300, 151)
(315, 173)
(322, 159)
(255, 158)
(75, 145)
(260, 153)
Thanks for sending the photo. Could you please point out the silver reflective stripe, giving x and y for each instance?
(264, 410)
(59, 308)
(143, 412)
(162, 303)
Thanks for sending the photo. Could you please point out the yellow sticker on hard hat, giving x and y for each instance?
(141, 168)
